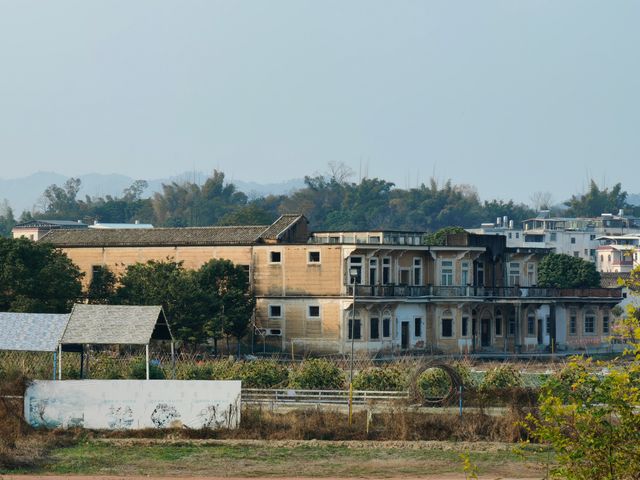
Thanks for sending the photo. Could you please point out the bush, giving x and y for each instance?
(106, 367)
(384, 379)
(317, 374)
(263, 374)
(138, 370)
(434, 383)
(501, 377)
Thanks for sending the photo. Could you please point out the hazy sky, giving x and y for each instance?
(513, 96)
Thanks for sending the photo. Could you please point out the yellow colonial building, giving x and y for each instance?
(472, 294)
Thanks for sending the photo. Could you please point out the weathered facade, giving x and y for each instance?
(472, 294)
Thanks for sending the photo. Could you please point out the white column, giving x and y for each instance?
(59, 361)
(147, 357)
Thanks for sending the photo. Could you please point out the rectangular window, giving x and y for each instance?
(480, 274)
(386, 327)
(589, 323)
(447, 327)
(276, 332)
(314, 257)
(355, 264)
(386, 271)
(314, 311)
(514, 274)
(373, 271)
(576, 254)
(605, 324)
(531, 325)
(553, 237)
(446, 271)
(498, 325)
(531, 274)
(548, 323)
(464, 274)
(417, 327)
(465, 326)
(573, 240)
(573, 323)
(355, 329)
(374, 328)
(417, 271)
(275, 257)
(275, 311)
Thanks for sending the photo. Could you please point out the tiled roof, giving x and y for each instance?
(115, 325)
(277, 228)
(610, 279)
(33, 332)
(155, 236)
(198, 236)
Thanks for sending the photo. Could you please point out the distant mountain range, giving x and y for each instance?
(25, 193)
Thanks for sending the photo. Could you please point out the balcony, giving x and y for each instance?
(433, 291)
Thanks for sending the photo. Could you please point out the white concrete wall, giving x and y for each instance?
(132, 404)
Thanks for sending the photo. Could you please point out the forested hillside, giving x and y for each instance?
(330, 201)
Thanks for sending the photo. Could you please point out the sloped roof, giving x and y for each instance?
(610, 279)
(51, 224)
(116, 325)
(186, 236)
(33, 332)
(155, 236)
(281, 225)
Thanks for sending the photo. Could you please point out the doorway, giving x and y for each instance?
(540, 331)
(485, 332)
(404, 335)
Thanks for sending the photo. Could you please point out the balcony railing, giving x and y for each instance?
(408, 291)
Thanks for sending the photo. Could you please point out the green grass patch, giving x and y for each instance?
(269, 459)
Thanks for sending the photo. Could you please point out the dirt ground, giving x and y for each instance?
(98, 477)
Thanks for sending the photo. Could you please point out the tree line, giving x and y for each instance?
(331, 201)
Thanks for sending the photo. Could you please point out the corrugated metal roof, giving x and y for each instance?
(115, 325)
(34, 332)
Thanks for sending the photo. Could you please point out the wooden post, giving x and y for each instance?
(147, 357)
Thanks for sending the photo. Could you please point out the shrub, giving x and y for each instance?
(317, 374)
(106, 367)
(138, 370)
(501, 377)
(198, 371)
(434, 383)
(263, 374)
(385, 379)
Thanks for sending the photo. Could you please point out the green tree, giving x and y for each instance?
(597, 201)
(7, 220)
(588, 412)
(102, 287)
(229, 304)
(35, 277)
(558, 270)
(440, 237)
(166, 283)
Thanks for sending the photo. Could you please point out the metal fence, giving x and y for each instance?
(315, 397)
